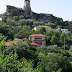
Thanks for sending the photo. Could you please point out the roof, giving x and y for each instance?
(33, 44)
(37, 35)
(10, 43)
(20, 39)
(25, 39)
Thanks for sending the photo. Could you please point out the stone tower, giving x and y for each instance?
(27, 6)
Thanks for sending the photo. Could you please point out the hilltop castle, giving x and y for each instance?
(27, 6)
(14, 11)
(29, 14)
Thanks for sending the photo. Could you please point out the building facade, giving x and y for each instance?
(39, 39)
(64, 31)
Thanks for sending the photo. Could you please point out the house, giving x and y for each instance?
(46, 27)
(23, 39)
(39, 39)
(33, 45)
(64, 31)
(10, 43)
(15, 41)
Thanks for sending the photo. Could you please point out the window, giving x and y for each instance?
(38, 38)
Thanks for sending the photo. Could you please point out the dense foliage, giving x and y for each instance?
(20, 57)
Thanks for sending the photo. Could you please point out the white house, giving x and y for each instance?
(64, 31)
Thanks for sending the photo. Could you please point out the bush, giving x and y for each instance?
(16, 18)
(21, 17)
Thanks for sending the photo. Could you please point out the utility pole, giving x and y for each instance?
(64, 42)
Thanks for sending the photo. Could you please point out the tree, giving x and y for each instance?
(21, 48)
(62, 36)
(21, 17)
(8, 63)
(10, 34)
(16, 18)
(22, 32)
(11, 22)
(54, 39)
(48, 37)
(3, 29)
(42, 30)
(4, 18)
(55, 63)
(2, 36)
(51, 25)
(25, 22)
(38, 23)
(52, 49)
(70, 51)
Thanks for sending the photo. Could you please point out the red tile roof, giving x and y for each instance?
(33, 44)
(25, 39)
(37, 35)
(20, 39)
(10, 43)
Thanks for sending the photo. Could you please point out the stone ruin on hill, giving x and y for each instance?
(29, 14)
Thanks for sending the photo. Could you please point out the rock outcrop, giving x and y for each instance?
(28, 14)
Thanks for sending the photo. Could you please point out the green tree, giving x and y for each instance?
(54, 39)
(25, 22)
(48, 37)
(55, 63)
(16, 18)
(22, 49)
(62, 36)
(42, 30)
(4, 18)
(51, 25)
(38, 23)
(8, 63)
(52, 49)
(2, 36)
(11, 22)
(21, 17)
(3, 29)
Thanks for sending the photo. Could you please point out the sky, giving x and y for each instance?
(59, 8)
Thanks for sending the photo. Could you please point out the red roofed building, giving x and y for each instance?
(38, 38)
(33, 45)
(16, 39)
(10, 43)
(20, 39)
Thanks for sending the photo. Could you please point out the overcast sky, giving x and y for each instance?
(59, 8)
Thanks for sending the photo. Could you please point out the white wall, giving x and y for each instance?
(64, 31)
